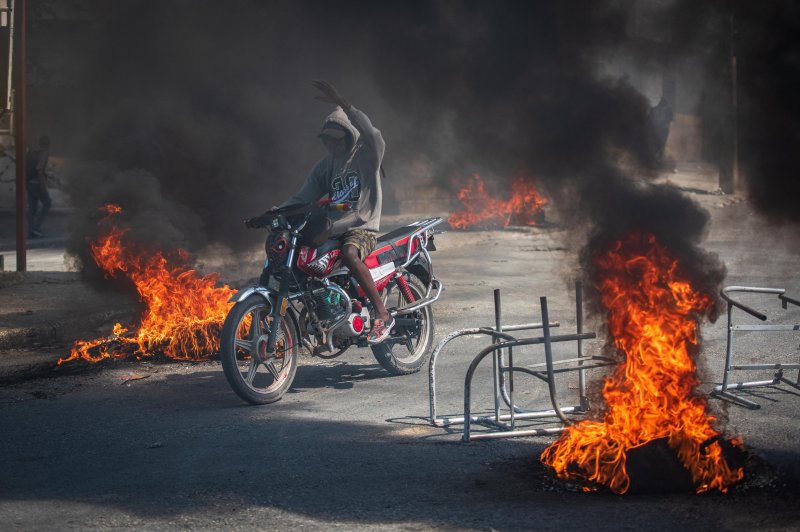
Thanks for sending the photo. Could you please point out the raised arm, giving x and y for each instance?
(369, 133)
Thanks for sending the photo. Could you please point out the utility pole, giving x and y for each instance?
(20, 127)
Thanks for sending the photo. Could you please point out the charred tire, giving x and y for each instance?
(255, 377)
(396, 357)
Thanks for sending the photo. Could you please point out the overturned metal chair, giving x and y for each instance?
(722, 390)
(506, 424)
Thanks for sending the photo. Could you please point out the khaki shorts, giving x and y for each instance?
(363, 240)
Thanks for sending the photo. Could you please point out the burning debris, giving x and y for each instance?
(183, 311)
(652, 315)
(483, 211)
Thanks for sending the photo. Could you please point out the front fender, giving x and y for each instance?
(269, 296)
(244, 293)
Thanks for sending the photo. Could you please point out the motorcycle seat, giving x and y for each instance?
(392, 246)
(397, 234)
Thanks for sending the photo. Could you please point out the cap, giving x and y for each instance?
(333, 130)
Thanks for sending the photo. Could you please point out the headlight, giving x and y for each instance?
(277, 246)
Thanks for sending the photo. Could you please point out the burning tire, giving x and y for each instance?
(254, 376)
(408, 347)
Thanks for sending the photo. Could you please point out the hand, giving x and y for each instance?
(256, 221)
(329, 94)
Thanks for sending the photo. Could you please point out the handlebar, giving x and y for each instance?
(259, 222)
(265, 221)
(345, 206)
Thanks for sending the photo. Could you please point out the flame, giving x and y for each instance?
(183, 311)
(525, 207)
(653, 315)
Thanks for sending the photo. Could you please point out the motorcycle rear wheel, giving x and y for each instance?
(403, 358)
(255, 377)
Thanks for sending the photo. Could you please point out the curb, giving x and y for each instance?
(57, 331)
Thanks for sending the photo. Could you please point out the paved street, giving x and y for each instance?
(165, 446)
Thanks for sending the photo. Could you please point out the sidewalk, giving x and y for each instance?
(45, 254)
(701, 182)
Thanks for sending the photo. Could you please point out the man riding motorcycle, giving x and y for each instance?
(321, 293)
(351, 173)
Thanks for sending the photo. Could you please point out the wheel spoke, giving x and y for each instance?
(251, 372)
(272, 369)
(247, 345)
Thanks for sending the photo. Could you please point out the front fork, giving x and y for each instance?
(279, 310)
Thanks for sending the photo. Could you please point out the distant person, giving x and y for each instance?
(661, 117)
(36, 163)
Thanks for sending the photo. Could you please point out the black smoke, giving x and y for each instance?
(524, 89)
(519, 84)
(767, 46)
(764, 38)
(201, 113)
(215, 103)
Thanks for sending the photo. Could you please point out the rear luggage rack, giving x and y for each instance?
(429, 299)
(416, 232)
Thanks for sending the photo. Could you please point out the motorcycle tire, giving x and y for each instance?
(254, 377)
(404, 358)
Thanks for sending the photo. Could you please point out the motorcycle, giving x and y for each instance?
(306, 296)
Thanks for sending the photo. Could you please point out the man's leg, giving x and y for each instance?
(33, 203)
(360, 271)
(44, 197)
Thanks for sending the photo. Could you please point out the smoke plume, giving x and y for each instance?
(203, 114)
(767, 46)
(215, 103)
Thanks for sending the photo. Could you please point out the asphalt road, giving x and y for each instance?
(169, 446)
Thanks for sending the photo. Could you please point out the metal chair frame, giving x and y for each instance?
(505, 424)
(721, 391)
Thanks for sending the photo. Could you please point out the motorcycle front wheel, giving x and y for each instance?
(408, 347)
(255, 376)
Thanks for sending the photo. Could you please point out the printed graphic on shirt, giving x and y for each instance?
(346, 187)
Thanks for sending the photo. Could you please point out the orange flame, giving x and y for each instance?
(525, 207)
(653, 316)
(183, 311)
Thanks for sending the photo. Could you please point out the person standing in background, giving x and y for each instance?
(37, 187)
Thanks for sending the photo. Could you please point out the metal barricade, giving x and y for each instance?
(506, 424)
(778, 378)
